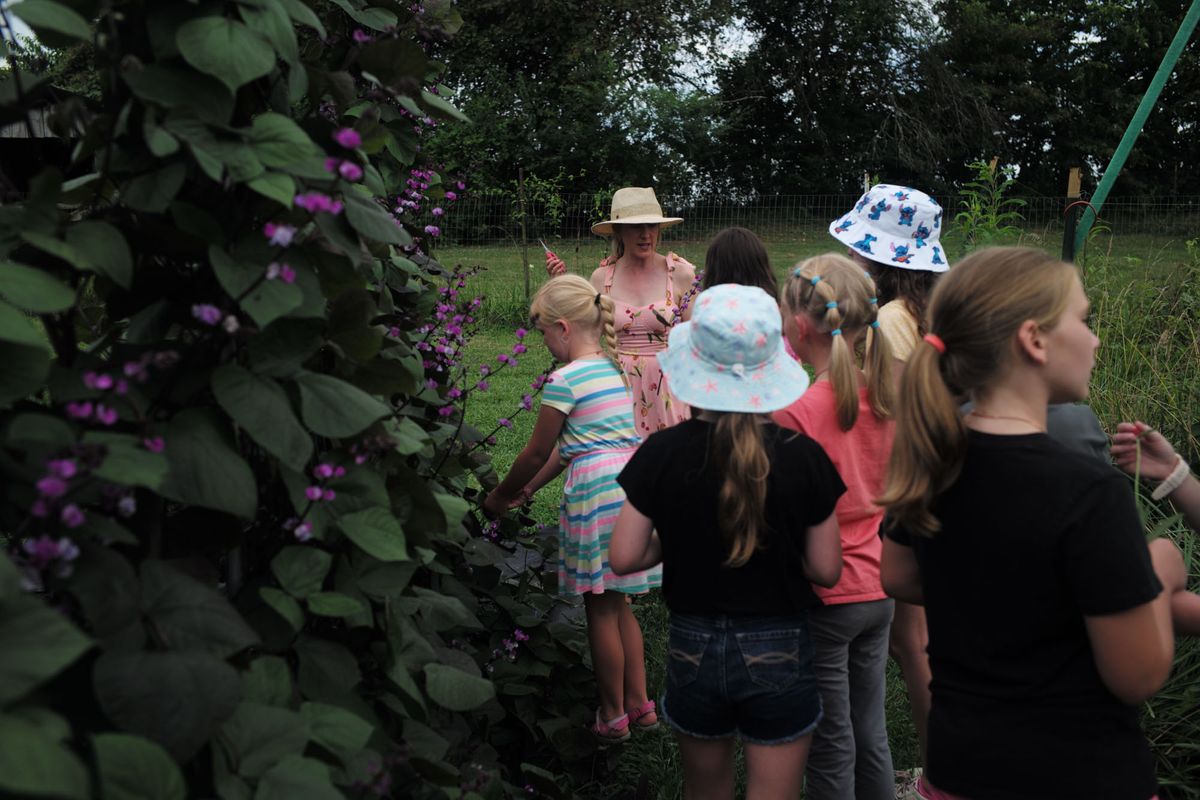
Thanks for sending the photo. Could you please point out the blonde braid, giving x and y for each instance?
(877, 361)
(609, 334)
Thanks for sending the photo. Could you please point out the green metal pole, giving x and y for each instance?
(1135, 124)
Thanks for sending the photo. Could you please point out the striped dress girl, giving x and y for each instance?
(598, 438)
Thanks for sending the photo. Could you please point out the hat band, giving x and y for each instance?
(738, 369)
(637, 210)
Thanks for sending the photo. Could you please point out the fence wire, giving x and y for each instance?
(496, 219)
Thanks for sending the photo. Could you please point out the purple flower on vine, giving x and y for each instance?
(97, 380)
(361, 37)
(278, 234)
(347, 138)
(350, 171)
(323, 471)
(445, 411)
(518, 349)
(44, 552)
(451, 196)
(52, 486)
(63, 468)
(520, 333)
(504, 423)
(437, 211)
(433, 230)
(520, 635)
(154, 444)
(72, 516)
(106, 415)
(313, 493)
(303, 531)
(127, 506)
(207, 313)
(527, 402)
(482, 386)
(283, 272)
(81, 410)
(315, 202)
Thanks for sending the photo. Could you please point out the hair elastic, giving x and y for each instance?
(831, 304)
(597, 300)
(875, 324)
(836, 332)
(797, 273)
(874, 301)
(814, 280)
(936, 341)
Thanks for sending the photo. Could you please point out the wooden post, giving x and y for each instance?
(524, 240)
(1072, 215)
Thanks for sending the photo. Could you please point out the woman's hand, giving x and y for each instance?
(554, 265)
(496, 503)
(1158, 457)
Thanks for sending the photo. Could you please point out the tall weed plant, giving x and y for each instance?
(988, 216)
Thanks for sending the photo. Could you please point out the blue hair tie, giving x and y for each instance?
(874, 301)
(797, 273)
(831, 304)
(875, 324)
(868, 274)
(836, 332)
(814, 280)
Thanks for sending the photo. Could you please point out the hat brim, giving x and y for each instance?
(921, 257)
(775, 384)
(605, 228)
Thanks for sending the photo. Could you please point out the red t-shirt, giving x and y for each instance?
(861, 456)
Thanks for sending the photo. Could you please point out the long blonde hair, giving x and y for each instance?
(572, 298)
(738, 449)
(839, 298)
(976, 310)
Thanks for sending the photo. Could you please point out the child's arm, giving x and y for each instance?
(899, 573)
(823, 552)
(1134, 649)
(634, 545)
(1138, 449)
(1185, 613)
(535, 455)
(549, 472)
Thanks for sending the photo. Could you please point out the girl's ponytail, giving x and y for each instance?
(738, 447)
(877, 363)
(930, 443)
(609, 333)
(843, 368)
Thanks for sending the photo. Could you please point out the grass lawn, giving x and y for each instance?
(1146, 312)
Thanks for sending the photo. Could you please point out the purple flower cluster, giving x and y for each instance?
(509, 646)
(52, 488)
(317, 202)
(372, 446)
(301, 529)
(46, 553)
(278, 234)
(323, 472)
(348, 138)
(344, 168)
(84, 409)
(282, 272)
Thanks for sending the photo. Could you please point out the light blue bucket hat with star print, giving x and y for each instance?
(730, 356)
(895, 226)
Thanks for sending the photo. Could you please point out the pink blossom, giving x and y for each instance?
(350, 171)
(451, 196)
(331, 164)
(433, 230)
(360, 36)
(154, 444)
(339, 472)
(445, 411)
(462, 187)
(121, 387)
(95, 380)
(328, 495)
(323, 471)
(437, 211)
(278, 234)
(521, 333)
(527, 402)
(207, 313)
(79, 410)
(315, 202)
(313, 493)
(134, 369)
(347, 138)
(303, 532)
(504, 423)
(518, 349)
(520, 635)
(72, 516)
(52, 486)
(63, 468)
(106, 415)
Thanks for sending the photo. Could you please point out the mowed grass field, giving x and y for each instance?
(1146, 310)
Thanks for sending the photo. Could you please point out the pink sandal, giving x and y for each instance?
(643, 710)
(612, 732)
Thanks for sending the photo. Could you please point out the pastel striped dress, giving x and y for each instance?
(599, 436)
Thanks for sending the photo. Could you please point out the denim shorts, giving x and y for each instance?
(741, 676)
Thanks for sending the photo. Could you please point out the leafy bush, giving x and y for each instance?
(988, 216)
(243, 560)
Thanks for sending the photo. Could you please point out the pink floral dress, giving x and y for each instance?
(641, 332)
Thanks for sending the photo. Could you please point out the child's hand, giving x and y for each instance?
(554, 265)
(496, 503)
(1158, 457)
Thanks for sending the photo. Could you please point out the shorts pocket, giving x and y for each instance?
(772, 658)
(685, 652)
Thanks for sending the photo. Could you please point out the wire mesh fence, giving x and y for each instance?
(497, 219)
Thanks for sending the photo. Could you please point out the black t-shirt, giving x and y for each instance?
(673, 480)
(1034, 537)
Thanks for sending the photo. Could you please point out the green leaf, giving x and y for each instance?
(34, 764)
(43, 15)
(127, 461)
(440, 107)
(176, 87)
(275, 186)
(456, 690)
(205, 470)
(106, 250)
(372, 222)
(439, 612)
(332, 407)
(174, 699)
(296, 778)
(57, 248)
(374, 18)
(257, 736)
(106, 587)
(267, 301)
(301, 571)
(394, 61)
(377, 531)
(225, 49)
(284, 605)
(133, 768)
(281, 349)
(36, 642)
(350, 315)
(24, 356)
(153, 191)
(280, 142)
(327, 669)
(261, 408)
(30, 430)
(33, 289)
(337, 730)
(299, 11)
(268, 680)
(189, 615)
(454, 507)
(269, 20)
(333, 604)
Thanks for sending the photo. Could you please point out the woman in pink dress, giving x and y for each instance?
(648, 290)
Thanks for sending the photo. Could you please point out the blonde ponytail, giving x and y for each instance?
(609, 334)
(572, 298)
(738, 446)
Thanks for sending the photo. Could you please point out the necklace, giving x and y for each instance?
(1026, 420)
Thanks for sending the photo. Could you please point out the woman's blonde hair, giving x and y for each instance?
(739, 452)
(839, 298)
(572, 298)
(976, 310)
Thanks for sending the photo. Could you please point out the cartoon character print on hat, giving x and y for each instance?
(937, 256)
(862, 202)
(902, 195)
(879, 208)
(900, 254)
(906, 215)
(937, 220)
(864, 243)
(921, 234)
(844, 225)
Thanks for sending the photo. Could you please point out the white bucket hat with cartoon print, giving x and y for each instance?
(895, 226)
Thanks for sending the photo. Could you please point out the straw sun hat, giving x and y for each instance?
(634, 205)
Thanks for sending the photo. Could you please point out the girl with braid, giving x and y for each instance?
(740, 512)
(830, 315)
(587, 412)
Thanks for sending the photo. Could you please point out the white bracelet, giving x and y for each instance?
(1172, 481)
